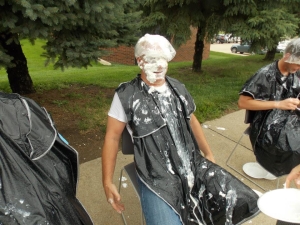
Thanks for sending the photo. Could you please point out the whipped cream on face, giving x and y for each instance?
(153, 53)
(155, 68)
(151, 44)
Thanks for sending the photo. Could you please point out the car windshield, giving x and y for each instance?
(245, 43)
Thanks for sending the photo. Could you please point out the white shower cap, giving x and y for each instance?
(293, 48)
(155, 46)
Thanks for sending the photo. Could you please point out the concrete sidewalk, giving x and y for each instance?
(222, 135)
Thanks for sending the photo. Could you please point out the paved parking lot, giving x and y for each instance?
(225, 48)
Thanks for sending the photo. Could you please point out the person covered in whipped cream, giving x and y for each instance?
(271, 96)
(178, 179)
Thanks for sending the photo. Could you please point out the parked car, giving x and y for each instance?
(220, 38)
(245, 47)
(233, 39)
(282, 45)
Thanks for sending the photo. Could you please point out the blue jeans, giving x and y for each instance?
(156, 211)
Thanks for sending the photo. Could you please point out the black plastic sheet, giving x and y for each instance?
(277, 144)
(38, 170)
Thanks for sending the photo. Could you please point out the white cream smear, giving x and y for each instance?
(170, 115)
(154, 67)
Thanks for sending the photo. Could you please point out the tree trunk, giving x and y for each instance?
(199, 46)
(18, 75)
(270, 56)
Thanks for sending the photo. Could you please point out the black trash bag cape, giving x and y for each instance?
(169, 162)
(38, 170)
(275, 134)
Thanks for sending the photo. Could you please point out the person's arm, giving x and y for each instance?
(200, 138)
(109, 155)
(293, 175)
(247, 102)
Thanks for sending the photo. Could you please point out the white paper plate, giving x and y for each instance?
(281, 204)
(253, 169)
(257, 192)
(270, 177)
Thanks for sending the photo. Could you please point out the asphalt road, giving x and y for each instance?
(225, 48)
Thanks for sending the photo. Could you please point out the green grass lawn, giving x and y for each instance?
(215, 90)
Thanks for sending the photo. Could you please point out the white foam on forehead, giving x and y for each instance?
(293, 48)
(154, 46)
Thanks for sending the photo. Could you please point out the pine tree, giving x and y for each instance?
(76, 32)
(261, 22)
(174, 19)
(265, 24)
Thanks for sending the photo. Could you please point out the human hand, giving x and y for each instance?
(293, 175)
(113, 197)
(210, 157)
(287, 104)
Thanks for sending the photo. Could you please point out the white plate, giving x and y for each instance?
(281, 204)
(253, 169)
(270, 177)
(257, 192)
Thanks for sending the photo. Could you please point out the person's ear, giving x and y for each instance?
(139, 61)
(286, 56)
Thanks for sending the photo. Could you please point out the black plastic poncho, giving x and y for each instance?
(275, 134)
(38, 170)
(169, 161)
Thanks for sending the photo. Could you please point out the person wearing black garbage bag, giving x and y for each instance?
(272, 96)
(38, 169)
(177, 184)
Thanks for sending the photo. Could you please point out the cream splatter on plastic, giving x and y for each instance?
(13, 210)
(231, 199)
(170, 114)
(222, 194)
(169, 107)
(160, 89)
